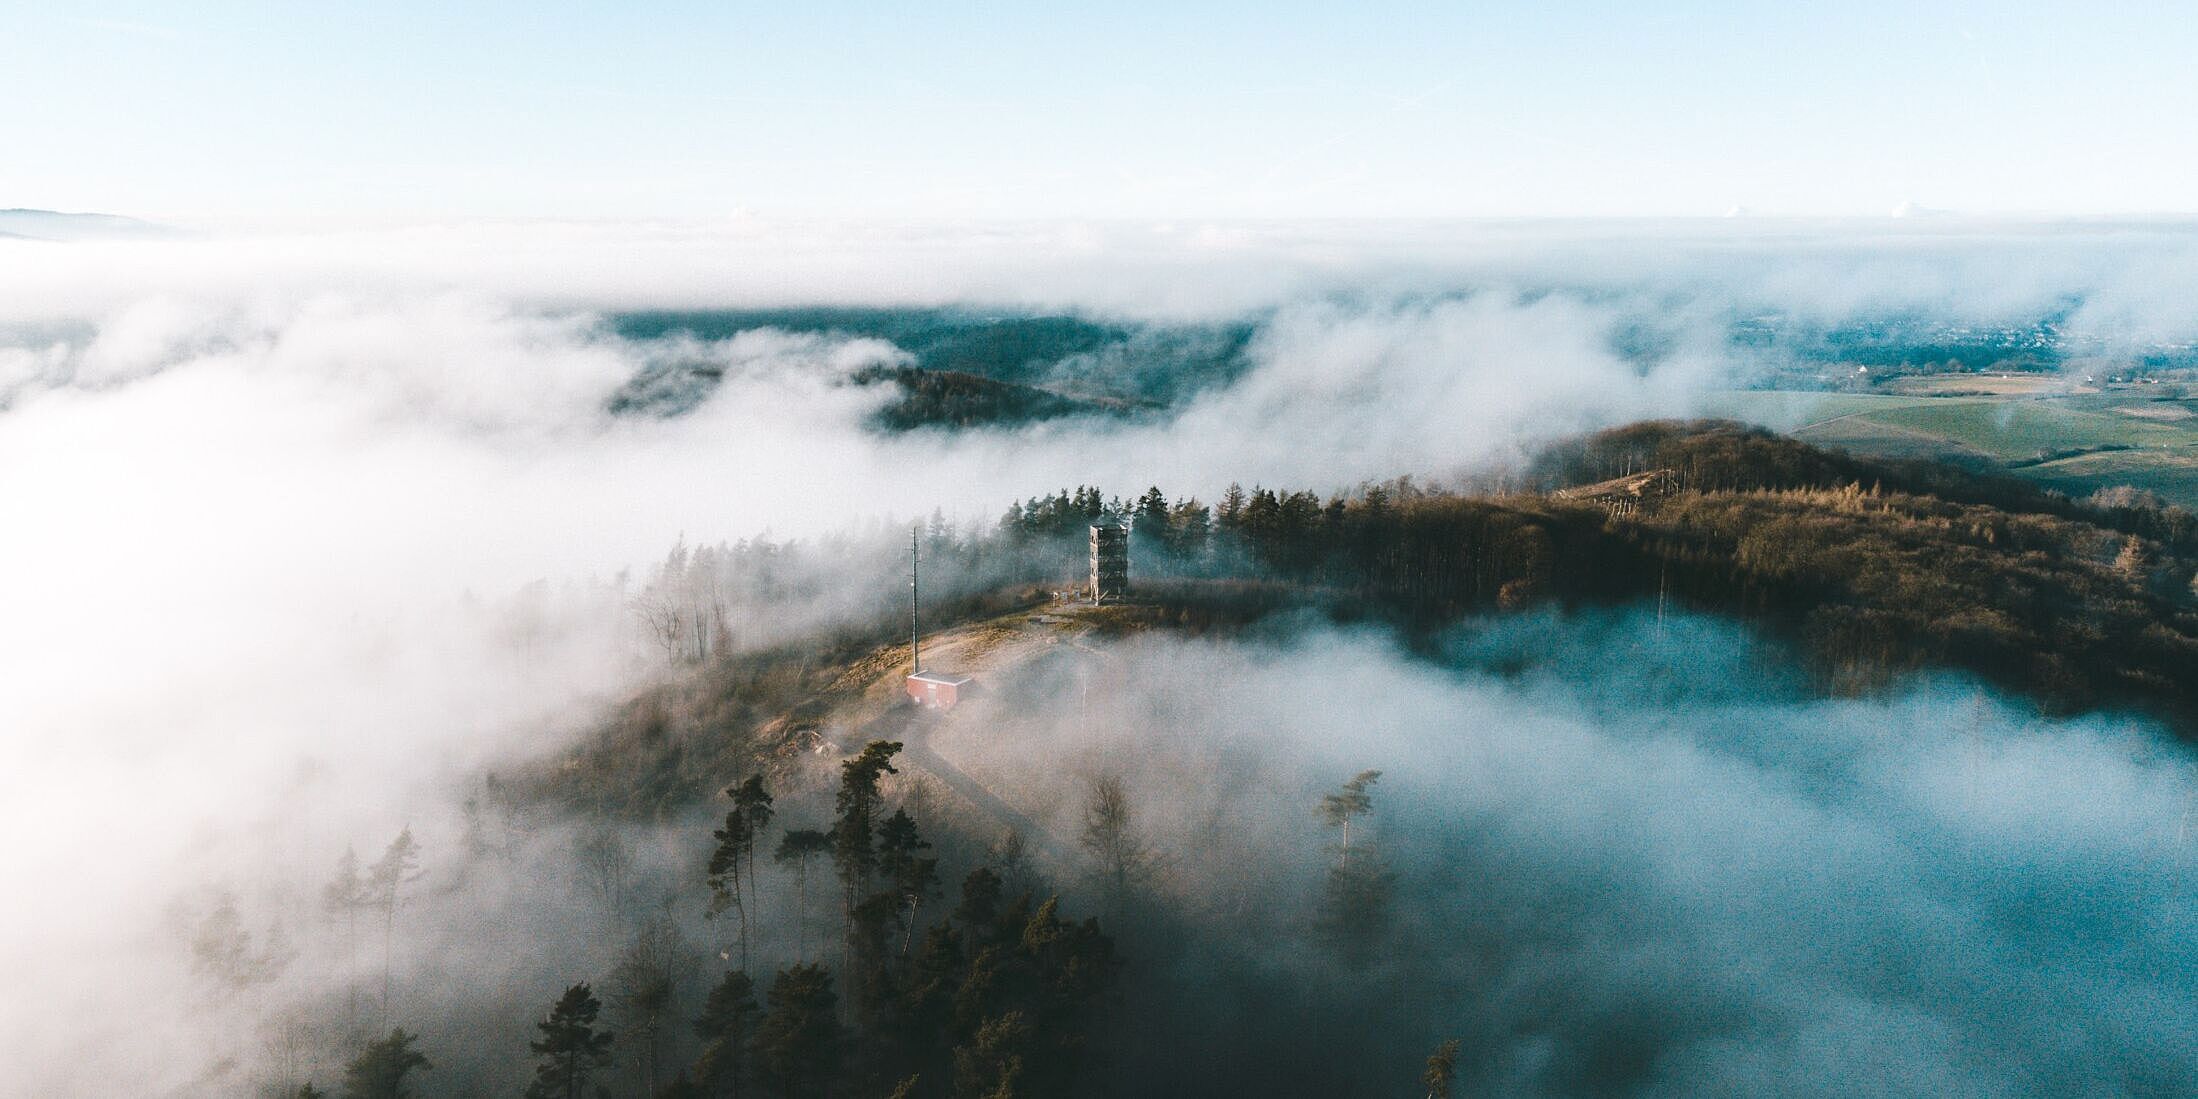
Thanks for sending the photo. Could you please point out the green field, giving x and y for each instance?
(2076, 442)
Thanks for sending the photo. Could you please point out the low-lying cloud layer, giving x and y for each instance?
(1630, 857)
(269, 500)
(1650, 863)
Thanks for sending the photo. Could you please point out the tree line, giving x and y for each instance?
(992, 992)
(1869, 568)
(996, 994)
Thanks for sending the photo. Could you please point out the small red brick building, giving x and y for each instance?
(937, 690)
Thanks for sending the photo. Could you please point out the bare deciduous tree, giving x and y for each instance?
(664, 624)
(646, 986)
(600, 855)
(1111, 835)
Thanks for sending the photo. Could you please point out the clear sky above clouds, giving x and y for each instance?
(215, 109)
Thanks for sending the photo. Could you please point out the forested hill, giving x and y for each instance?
(1867, 570)
(965, 368)
(1873, 568)
(1870, 570)
(952, 399)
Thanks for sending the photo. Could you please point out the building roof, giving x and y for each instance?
(944, 679)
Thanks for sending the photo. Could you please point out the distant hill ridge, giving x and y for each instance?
(58, 225)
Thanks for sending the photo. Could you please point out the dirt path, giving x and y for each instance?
(990, 650)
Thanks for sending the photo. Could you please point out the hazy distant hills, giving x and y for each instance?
(970, 368)
(1043, 366)
(61, 226)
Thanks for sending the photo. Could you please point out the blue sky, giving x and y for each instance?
(701, 110)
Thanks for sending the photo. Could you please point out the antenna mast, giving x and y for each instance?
(915, 628)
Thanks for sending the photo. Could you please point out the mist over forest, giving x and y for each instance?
(407, 628)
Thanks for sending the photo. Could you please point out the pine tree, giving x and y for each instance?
(385, 882)
(1260, 520)
(1356, 898)
(646, 985)
(868, 974)
(726, 1026)
(924, 1023)
(1353, 800)
(732, 869)
(797, 1044)
(222, 949)
(570, 1048)
(854, 844)
(798, 848)
(1442, 1070)
(379, 1071)
(912, 877)
(1189, 526)
(1231, 512)
(753, 800)
(220, 946)
(1149, 519)
(991, 1065)
(980, 904)
(727, 871)
(1050, 974)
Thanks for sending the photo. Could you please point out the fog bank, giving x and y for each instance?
(275, 503)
